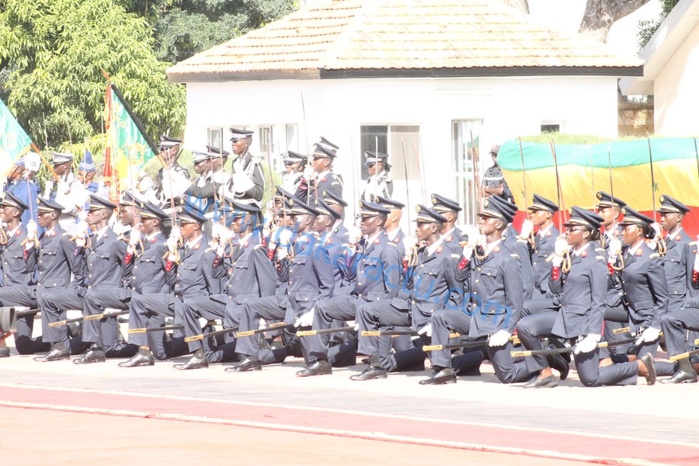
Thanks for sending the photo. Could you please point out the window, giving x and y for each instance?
(468, 166)
(214, 137)
(292, 142)
(266, 141)
(550, 128)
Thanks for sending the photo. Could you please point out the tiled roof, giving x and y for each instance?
(341, 37)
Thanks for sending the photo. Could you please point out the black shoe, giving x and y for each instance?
(647, 360)
(94, 354)
(58, 352)
(4, 352)
(75, 329)
(317, 368)
(444, 376)
(556, 343)
(558, 362)
(197, 361)
(248, 364)
(143, 358)
(546, 382)
(371, 372)
(682, 377)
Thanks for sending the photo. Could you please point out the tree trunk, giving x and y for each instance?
(519, 5)
(601, 14)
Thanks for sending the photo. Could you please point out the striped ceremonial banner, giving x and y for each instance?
(580, 167)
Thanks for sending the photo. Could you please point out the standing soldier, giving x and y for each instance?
(322, 178)
(494, 183)
(293, 178)
(67, 191)
(541, 217)
(19, 266)
(379, 182)
(169, 152)
(248, 181)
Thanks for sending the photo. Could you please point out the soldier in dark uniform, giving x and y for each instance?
(392, 225)
(151, 282)
(645, 299)
(680, 266)
(105, 286)
(493, 279)
(250, 274)
(335, 243)
(494, 183)
(379, 182)
(310, 280)
(293, 178)
(519, 247)
(59, 258)
(430, 288)
(375, 265)
(322, 177)
(541, 214)
(335, 202)
(583, 290)
(450, 210)
(18, 269)
(248, 181)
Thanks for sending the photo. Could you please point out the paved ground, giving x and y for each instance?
(203, 415)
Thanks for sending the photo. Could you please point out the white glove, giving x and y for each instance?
(305, 319)
(80, 241)
(560, 246)
(81, 229)
(649, 335)
(175, 232)
(409, 242)
(467, 251)
(658, 230)
(696, 262)
(63, 187)
(217, 231)
(135, 237)
(48, 187)
(527, 229)
(354, 235)
(499, 338)
(426, 330)
(32, 231)
(144, 184)
(613, 250)
(220, 177)
(587, 344)
(242, 182)
(475, 237)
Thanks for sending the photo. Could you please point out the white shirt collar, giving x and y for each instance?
(490, 246)
(632, 250)
(392, 234)
(577, 252)
(190, 244)
(543, 231)
(433, 248)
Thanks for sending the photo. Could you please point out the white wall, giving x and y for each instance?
(337, 108)
(676, 91)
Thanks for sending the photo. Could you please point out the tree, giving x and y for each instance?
(646, 29)
(52, 53)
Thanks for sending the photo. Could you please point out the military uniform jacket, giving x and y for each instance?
(295, 182)
(521, 249)
(249, 166)
(378, 185)
(195, 275)
(398, 241)
(645, 287)
(452, 240)
(159, 178)
(329, 182)
(494, 290)
(250, 274)
(376, 270)
(18, 265)
(126, 267)
(678, 263)
(338, 249)
(105, 259)
(431, 283)
(493, 178)
(543, 248)
(310, 275)
(152, 272)
(583, 294)
(58, 258)
(202, 193)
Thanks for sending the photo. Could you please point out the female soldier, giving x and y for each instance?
(583, 288)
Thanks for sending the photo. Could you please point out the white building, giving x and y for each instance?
(419, 78)
(671, 72)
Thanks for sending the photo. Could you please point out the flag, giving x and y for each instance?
(128, 146)
(14, 142)
(582, 166)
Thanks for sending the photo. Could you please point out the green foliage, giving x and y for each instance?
(52, 53)
(647, 28)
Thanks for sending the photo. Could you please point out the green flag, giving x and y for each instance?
(14, 142)
(128, 144)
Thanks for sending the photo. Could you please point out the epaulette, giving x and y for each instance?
(391, 244)
(654, 255)
(258, 246)
(515, 256)
(694, 243)
(456, 256)
(600, 258)
(334, 183)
